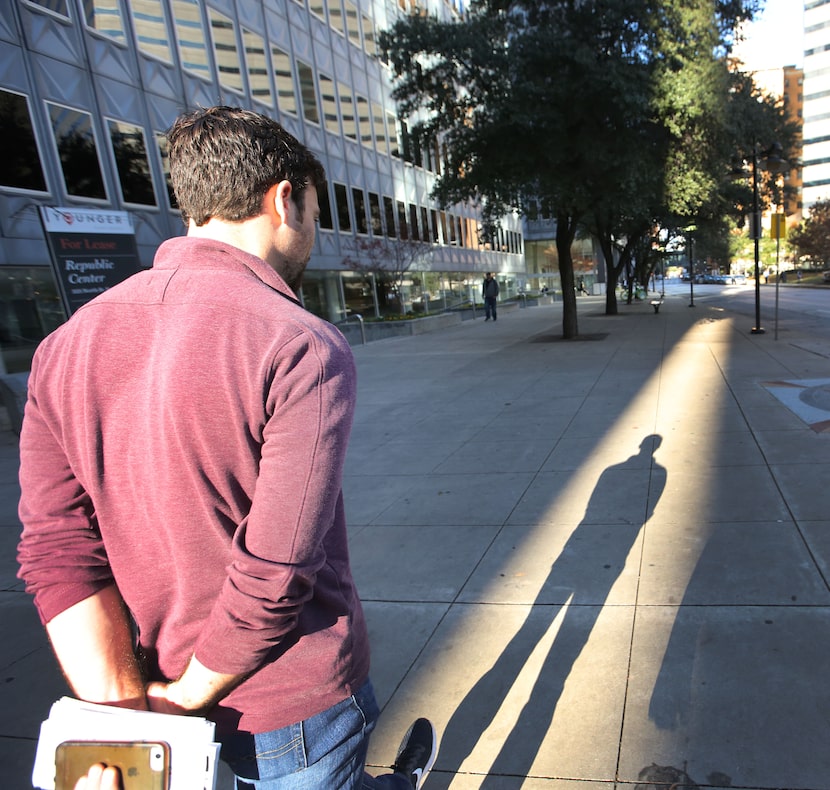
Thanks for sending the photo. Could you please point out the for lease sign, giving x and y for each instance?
(91, 251)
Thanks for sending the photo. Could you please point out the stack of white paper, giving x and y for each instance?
(193, 753)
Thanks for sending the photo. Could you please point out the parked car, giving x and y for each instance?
(826, 276)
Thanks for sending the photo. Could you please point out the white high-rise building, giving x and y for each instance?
(816, 171)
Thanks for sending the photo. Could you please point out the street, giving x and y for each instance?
(809, 307)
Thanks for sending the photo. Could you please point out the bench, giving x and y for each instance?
(655, 303)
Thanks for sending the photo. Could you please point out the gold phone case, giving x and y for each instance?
(144, 765)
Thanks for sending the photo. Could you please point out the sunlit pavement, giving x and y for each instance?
(585, 560)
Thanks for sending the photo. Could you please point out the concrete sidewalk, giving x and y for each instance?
(581, 559)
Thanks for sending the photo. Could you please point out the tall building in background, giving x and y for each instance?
(793, 96)
(88, 87)
(816, 171)
(787, 85)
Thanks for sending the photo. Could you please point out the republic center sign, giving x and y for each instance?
(91, 251)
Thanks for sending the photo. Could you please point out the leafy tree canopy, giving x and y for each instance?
(811, 239)
(618, 115)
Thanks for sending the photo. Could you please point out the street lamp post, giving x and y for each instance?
(773, 162)
(691, 270)
(756, 235)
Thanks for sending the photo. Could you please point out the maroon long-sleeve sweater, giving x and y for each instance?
(185, 436)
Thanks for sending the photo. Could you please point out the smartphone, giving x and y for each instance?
(144, 765)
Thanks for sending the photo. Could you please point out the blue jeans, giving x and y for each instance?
(326, 751)
(490, 306)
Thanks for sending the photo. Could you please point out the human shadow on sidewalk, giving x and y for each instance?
(581, 580)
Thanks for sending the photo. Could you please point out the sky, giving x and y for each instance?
(775, 38)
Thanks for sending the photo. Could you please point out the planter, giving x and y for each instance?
(380, 330)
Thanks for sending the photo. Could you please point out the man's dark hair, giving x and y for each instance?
(224, 159)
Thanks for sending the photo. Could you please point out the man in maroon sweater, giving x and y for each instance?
(181, 462)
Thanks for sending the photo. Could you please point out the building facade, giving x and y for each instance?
(786, 85)
(792, 93)
(816, 171)
(88, 88)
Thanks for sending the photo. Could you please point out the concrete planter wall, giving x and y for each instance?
(380, 330)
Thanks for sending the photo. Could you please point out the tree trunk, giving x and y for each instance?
(565, 232)
(611, 275)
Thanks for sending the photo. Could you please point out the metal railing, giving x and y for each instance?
(359, 318)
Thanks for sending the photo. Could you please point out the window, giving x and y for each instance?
(403, 232)
(352, 22)
(436, 238)
(285, 82)
(151, 29)
(323, 201)
(472, 234)
(413, 222)
(309, 95)
(163, 149)
(17, 133)
(258, 80)
(30, 309)
(364, 121)
(369, 45)
(347, 115)
(389, 214)
(104, 16)
(424, 224)
(336, 16)
(463, 240)
(417, 150)
(226, 52)
(380, 131)
(374, 212)
(131, 163)
(329, 100)
(451, 226)
(359, 210)
(406, 152)
(191, 37)
(425, 151)
(394, 139)
(341, 202)
(55, 6)
(77, 152)
(318, 8)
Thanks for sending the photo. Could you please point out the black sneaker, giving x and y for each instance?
(417, 752)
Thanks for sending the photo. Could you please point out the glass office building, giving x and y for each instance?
(816, 101)
(88, 88)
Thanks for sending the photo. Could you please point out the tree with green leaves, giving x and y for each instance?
(811, 239)
(598, 111)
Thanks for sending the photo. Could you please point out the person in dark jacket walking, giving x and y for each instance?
(490, 292)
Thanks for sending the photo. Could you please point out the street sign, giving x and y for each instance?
(778, 226)
(92, 250)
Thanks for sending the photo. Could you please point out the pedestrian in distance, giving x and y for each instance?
(580, 288)
(181, 464)
(490, 292)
